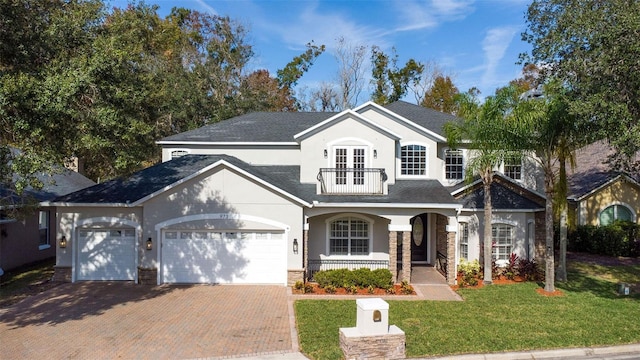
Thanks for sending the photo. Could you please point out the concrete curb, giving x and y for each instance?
(631, 349)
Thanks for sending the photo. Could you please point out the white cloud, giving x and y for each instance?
(206, 7)
(494, 46)
(416, 15)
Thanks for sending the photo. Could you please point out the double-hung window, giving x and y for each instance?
(502, 235)
(453, 165)
(464, 241)
(349, 236)
(413, 160)
(43, 227)
(513, 166)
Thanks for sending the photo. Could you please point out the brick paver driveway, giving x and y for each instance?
(123, 320)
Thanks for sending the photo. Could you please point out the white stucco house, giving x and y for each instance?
(269, 198)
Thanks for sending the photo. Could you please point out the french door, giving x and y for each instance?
(350, 162)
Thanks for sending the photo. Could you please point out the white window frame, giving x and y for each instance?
(496, 245)
(464, 241)
(400, 175)
(444, 169)
(615, 206)
(43, 225)
(350, 217)
(504, 166)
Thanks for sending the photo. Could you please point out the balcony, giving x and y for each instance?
(352, 181)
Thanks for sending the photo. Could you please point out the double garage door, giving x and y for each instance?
(186, 256)
(223, 257)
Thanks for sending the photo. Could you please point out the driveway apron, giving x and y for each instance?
(107, 320)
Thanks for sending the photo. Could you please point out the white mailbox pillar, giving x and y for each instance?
(372, 317)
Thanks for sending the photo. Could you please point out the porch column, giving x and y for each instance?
(406, 256)
(393, 254)
(452, 231)
(305, 251)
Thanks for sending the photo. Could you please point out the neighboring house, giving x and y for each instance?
(32, 238)
(597, 195)
(274, 197)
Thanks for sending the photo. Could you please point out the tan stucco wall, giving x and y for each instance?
(619, 192)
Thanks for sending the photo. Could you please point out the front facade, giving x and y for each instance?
(274, 197)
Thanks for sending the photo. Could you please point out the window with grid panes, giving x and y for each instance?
(464, 241)
(349, 236)
(413, 160)
(502, 235)
(454, 167)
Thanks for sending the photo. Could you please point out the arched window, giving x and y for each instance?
(413, 160)
(349, 236)
(615, 212)
(178, 153)
(502, 236)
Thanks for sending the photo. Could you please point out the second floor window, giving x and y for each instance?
(178, 153)
(513, 166)
(413, 160)
(454, 167)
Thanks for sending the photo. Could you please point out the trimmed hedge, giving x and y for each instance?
(621, 238)
(362, 278)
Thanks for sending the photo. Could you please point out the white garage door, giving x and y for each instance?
(106, 254)
(223, 257)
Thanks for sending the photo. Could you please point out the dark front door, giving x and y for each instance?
(419, 239)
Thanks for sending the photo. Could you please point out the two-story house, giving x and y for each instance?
(273, 197)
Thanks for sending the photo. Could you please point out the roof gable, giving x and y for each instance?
(343, 116)
(506, 194)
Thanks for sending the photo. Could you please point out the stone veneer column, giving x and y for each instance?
(406, 256)
(393, 254)
(452, 231)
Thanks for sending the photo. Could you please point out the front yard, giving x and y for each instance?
(495, 318)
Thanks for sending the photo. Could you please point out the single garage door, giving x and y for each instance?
(224, 257)
(106, 254)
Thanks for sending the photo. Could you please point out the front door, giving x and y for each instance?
(419, 240)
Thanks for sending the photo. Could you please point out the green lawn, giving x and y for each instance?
(494, 318)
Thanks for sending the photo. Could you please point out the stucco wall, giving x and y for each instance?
(20, 242)
(619, 192)
(258, 155)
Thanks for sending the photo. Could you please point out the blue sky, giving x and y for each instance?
(476, 42)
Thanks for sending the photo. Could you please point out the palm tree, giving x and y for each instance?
(491, 132)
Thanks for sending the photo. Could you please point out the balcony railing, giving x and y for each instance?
(316, 265)
(441, 263)
(352, 181)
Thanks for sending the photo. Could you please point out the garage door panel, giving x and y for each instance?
(213, 257)
(106, 255)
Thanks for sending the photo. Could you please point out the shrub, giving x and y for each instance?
(330, 289)
(352, 289)
(620, 238)
(406, 288)
(529, 270)
(299, 285)
(511, 270)
(468, 271)
(363, 278)
(371, 289)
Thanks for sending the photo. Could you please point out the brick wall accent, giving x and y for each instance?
(393, 254)
(406, 256)
(62, 273)
(294, 275)
(147, 276)
(389, 346)
(451, 258)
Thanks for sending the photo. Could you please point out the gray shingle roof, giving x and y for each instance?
(282, 126)
(505, 195)
(428, 118)
(148, 181)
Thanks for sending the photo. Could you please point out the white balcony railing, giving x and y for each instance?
(352, 181)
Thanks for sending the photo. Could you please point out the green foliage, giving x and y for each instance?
(529, 270)
(391, 82)
(469, 272)
(620, 238)
(360, 278)
(406, 288)
(442, 96)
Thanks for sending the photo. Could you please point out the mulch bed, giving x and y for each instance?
(317, 290)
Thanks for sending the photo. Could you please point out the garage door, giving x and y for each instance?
(106, 254)
(223, 257)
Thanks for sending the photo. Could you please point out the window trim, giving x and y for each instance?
(615, 205)
(399, 173)
(512, 236)
(444, 165)
(463, 226)
(504, 166)
(349, 216)
(47, 228)
(186, 152)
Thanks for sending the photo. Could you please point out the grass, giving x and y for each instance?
(494, 318)
(25, 281)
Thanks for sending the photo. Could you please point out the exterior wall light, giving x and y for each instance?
(375, 153)
(326, 154)
(295, 246)
(63, 242)
(149, 244)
